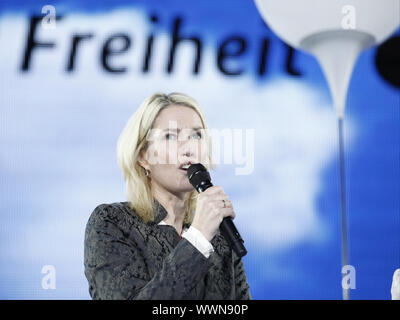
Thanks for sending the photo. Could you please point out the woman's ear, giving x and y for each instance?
(142, 158)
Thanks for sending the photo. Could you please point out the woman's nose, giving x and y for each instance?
(188, 153)
(189, 147)
(187, 150)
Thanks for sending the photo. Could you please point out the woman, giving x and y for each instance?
(164, 242)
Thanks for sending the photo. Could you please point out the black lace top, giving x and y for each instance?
(126, 258)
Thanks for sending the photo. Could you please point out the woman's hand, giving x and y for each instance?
(210, 211)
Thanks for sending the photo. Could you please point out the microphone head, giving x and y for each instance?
(198, 176)
(194, 168)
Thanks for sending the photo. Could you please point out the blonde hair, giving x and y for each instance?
(133, 140)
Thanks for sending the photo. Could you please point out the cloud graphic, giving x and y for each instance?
(58, 144)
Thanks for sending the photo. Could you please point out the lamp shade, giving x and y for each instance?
(334, 31)
(295, 20)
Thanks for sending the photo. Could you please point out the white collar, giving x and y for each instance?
(162, 222)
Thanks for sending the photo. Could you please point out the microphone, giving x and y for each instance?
(200, 179)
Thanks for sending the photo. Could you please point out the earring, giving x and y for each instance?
(147, 172)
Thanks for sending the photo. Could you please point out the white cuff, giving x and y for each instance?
(198, 240)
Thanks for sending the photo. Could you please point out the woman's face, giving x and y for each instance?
(177, 137)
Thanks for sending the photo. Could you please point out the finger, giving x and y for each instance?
(228, 212)
(213, 190)
(223, 202)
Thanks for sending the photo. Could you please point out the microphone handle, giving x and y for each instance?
(227, 227)
(229, 231)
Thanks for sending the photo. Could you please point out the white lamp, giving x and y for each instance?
(334, 31)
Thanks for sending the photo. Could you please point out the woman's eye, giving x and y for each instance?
(168, 135)
(197, 135)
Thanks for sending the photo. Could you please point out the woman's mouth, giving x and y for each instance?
(185, 166)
